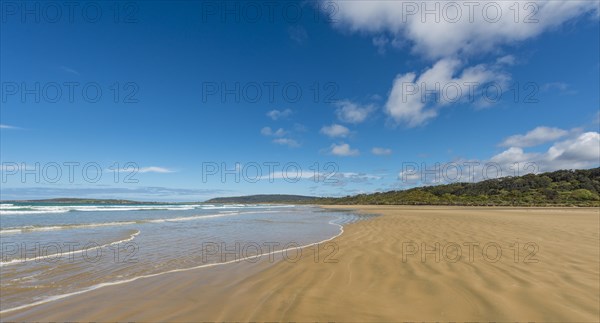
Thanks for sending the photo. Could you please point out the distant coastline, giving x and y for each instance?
(553, 189)
(71, 200)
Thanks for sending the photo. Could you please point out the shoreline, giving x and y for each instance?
(301, 290)
(179, 270)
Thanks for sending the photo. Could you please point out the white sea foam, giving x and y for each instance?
(131, 209)
(32, 210)
(94, 287)
(10, 209)
(20, 261)
(26, 229)
(244, 206)
(63, 227)
(205, 216)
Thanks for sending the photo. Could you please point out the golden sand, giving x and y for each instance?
(381, 276)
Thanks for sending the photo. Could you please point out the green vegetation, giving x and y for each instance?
(559, 188)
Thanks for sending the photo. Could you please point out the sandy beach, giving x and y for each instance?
(377, 270)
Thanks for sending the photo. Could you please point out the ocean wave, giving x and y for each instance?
(10, 209)
(31, 228)
(30, 210)
(244, 206)
(135, 208)
(20, 261)
(204, 216)
(26, 229)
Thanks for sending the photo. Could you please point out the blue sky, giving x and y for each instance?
(179, 84)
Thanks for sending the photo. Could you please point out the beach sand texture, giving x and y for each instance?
(372, 282)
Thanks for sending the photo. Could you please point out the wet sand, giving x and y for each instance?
(377, 274)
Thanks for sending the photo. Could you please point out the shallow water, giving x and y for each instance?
(52, 250)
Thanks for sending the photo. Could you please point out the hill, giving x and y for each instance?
(559, 188)
(264, 198)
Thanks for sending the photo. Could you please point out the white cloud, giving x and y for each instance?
(69, 70)
(506, 60)
(411, 101)
(381, 43)
(298, 127)
(584, 149)
(298, 34)
(460, 28)
(267, 131)
(335, 130)
(534, 137)
(456, 29)
(5, 126)
(558, 87)
(581, 151)
(343, 179)
(381, 151)
(351, 112)
(513, 155)
(286, 142)
(358, 176)
(292, 174)
(276, 114)
(149, 169)
(409, 176)
(343, 150)
(143, 193)
(327, 178)
(154, 169)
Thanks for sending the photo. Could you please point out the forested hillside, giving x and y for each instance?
(563, 187)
